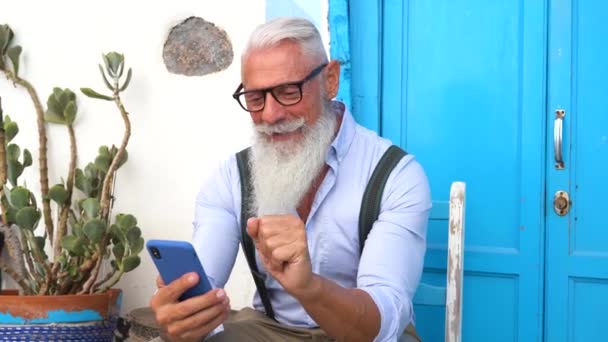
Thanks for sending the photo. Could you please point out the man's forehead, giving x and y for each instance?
(275, 65)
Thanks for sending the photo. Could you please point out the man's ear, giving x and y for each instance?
(332, 78)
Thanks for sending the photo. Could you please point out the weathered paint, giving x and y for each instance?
(453, 310)
(57, 316)
(339, 46)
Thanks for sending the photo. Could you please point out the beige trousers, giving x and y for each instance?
(249, 325)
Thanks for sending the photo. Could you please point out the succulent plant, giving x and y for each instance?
(66, 256)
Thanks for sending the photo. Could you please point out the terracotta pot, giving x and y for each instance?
(68, 317)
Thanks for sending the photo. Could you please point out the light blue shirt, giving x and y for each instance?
(390, 266)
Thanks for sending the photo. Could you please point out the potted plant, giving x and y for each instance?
(58, 243)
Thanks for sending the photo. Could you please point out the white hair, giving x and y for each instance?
(299, 30)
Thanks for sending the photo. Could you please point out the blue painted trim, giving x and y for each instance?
(365, 45)
(339, 46)
(57, 316)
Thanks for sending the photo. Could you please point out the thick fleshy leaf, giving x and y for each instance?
(119, 251)
(90, 207)
(40, 242)
(94, 230)
(93, 94)
(70, 112)
(27, 158)
(104, 151)
(27, 217)
(114, 59)
(53, 117)
(52, 103)
(19, 197)
(127, 81)
(73, 244)
(13, 152)
(137, 247)
(126, 222)
(133, 235)
(130, 263)
(105, 79)
(14, 170)
(58, 193)
(6, 36)
(118, 234)
(10, 130)
(102, 163)
(13, 54)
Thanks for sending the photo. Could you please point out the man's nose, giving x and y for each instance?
(273, 111)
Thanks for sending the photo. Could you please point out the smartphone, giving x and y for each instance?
(175, 258)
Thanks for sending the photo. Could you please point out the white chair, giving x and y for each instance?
(451, 295)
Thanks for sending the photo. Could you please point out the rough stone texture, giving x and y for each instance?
(143, 325)
(197, 47)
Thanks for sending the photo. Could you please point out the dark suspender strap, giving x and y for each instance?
(242, 160)
(370, 204)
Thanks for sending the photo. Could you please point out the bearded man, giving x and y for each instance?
(310, 163)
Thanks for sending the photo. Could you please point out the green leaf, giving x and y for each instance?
(53, 117)
(14, 170)
(13, 152)
(127, 81)
(114, 60)
(130, 263)
(58, 193)
(10, 130)
(105, 79)
(126, 222)
(114, 265)
(102, 163)
(70, 112)
(40, 241)
(6, 36)
(77, 229)
(19, 197)
(13, 54)
(27, 217)
(90, 207)
(137, 247)
(73, 244)
(133, 235)
(27, 158)
(104, 151)
(94, 230)
(119, 251)
(93, 94)
(118, 234)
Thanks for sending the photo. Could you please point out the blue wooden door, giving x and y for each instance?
(577, 243)
(461, 84)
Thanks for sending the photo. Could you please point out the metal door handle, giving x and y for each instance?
(557, 138)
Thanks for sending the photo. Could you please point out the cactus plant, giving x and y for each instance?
(66, 256)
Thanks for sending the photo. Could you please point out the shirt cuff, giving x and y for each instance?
(395, 312)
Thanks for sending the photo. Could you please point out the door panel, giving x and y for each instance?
(577, 244)
(462, 88)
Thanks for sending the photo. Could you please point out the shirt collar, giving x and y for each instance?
(341, 143)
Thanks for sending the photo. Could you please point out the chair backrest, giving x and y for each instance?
(450, 296)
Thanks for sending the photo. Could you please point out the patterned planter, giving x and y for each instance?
(59, 318)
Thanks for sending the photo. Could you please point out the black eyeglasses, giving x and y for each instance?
(287, 94)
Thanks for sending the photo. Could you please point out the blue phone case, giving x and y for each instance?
(175, 258)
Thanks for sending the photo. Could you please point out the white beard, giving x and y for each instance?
(282, 172)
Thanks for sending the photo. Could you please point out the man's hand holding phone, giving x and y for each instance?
(193, 318)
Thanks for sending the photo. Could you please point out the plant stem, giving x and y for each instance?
(111, 282)
(106, 192)
(42, 155)
(15, 252)
(2, 165)
(62, 227)
(16, 277)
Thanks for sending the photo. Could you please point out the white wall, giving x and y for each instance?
(182, 126)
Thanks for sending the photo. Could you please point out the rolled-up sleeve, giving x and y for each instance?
(216, 234)
(392, 261)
